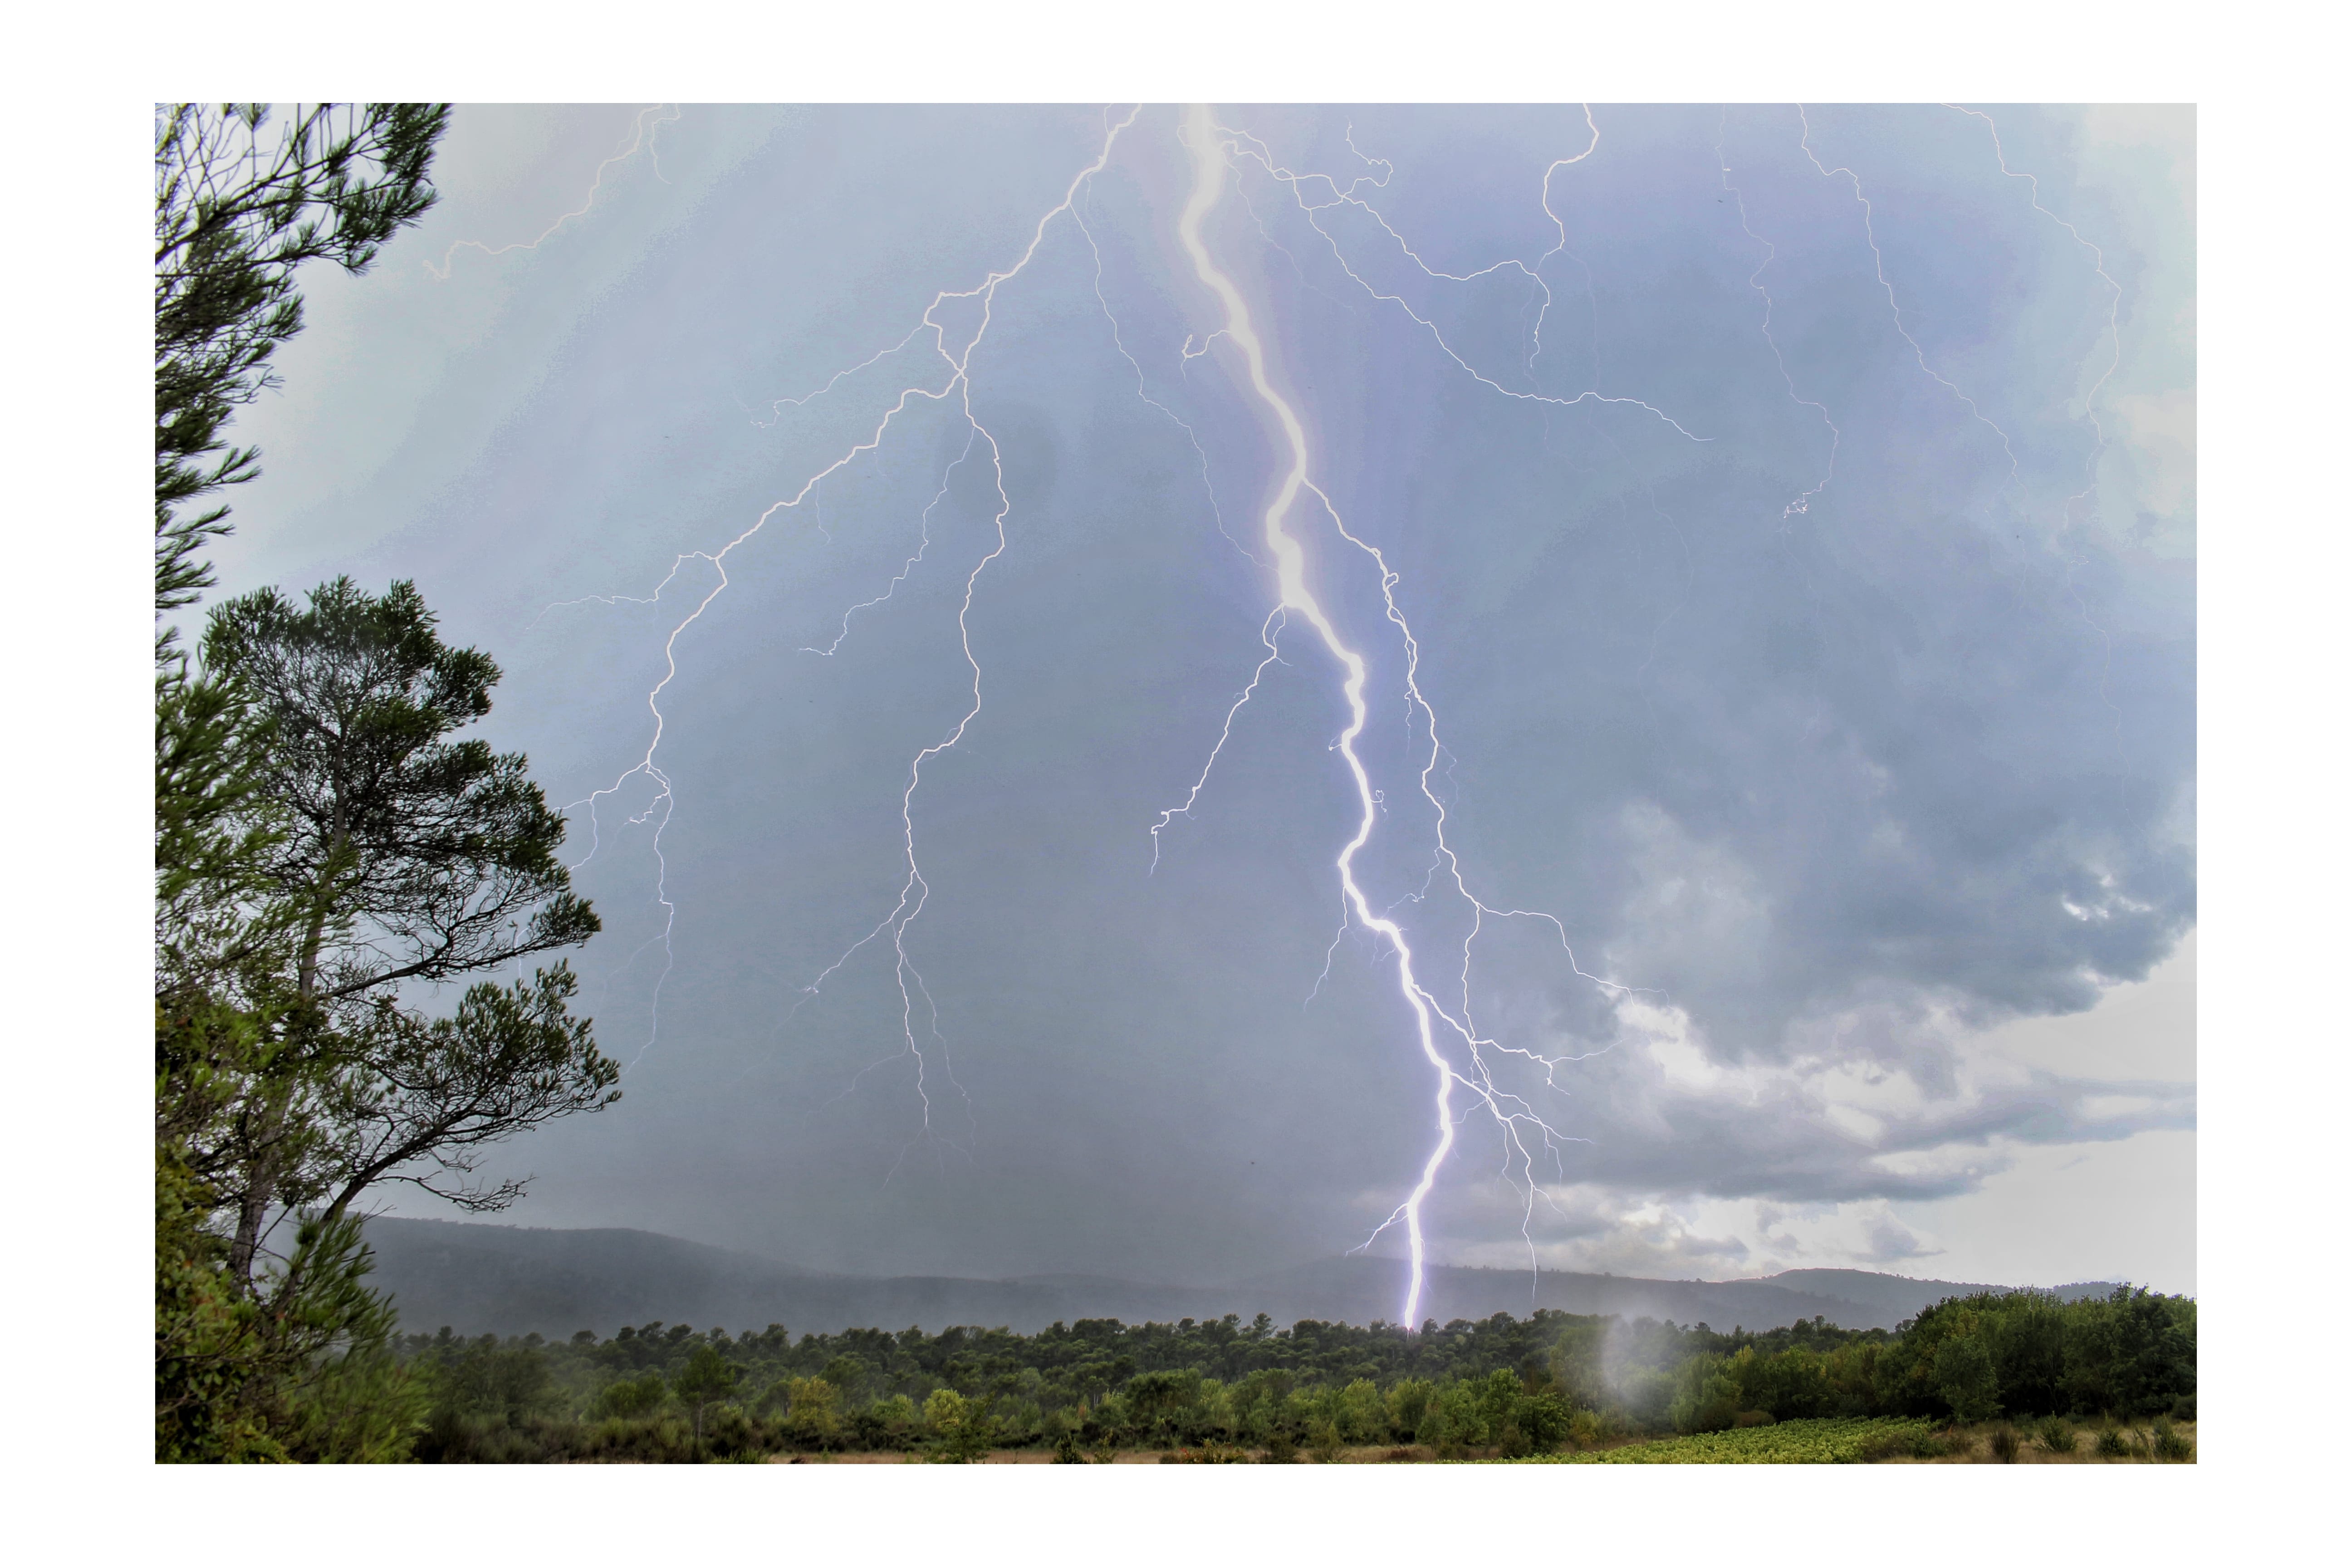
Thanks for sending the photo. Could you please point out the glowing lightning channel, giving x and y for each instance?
(923, 548)
(1266, 634)
(2090, 398)
(1294, 183)
(1771, 253)
(914, 892)
(1878, 264)
(1296, 597)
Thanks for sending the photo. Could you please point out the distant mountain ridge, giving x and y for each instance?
(507, 1279)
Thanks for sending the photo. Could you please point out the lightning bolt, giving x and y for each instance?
(1771, 253)
(1210, 144)
(1249, 146)
(2090, 398)
(650, 120)
(1460, 1058)
(2114, 309)
(952, 363)
(1878, 263)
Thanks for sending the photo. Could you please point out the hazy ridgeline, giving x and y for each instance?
(1224, 1389)
(513, 1280)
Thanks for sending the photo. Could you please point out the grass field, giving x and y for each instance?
(1884, 1441)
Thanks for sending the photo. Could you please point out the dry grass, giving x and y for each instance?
(1973, 1445)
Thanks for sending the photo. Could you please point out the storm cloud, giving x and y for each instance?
(1793, 518)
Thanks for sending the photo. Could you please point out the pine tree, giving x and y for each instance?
(233, 219)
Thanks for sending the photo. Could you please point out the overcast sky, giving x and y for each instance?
(1793, 516)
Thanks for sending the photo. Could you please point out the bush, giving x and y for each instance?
(1209, 1453)
(630, 1397)
(1902, 1442)
(2111, 1444)
(2005, 1445)
(2169, 1444)
(2054, 1435)
(730, 1433)
(962, 1428)
(1706, 1395)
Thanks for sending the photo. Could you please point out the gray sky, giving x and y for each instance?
(1807, 613)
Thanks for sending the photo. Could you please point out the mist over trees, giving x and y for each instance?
(329, 853)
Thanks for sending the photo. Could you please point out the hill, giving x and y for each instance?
(507, 1279)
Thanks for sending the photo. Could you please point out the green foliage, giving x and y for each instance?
(1705, 1395)
(960, 1428)
(1819, 1442)
(629, 1398)
(707, 1378)
(321, 851)
(1209, 1453)
(1902, 1440)
(1964, 1372)
(209, 1347)
(814, 1417)
(2054, 1435)
(1204, 1391)
(262, 1352)
(2135, 1352)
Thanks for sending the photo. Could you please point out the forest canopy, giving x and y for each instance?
(1504, 1385)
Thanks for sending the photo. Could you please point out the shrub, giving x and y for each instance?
(730, 1433)
(2054, 1435)
(630, 1397)
(1706, 1395)
(1752, 1418)
(1209, 1453)
(1408, 1406)
(2169, 1444)
(1964, 1373)
(962, 1428)
(1323, 1439)
(2005, 1445)
(1884, 1445)
(1906, 1442)
(2111, 1444)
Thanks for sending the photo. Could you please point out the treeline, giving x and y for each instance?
(1228, 1391)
